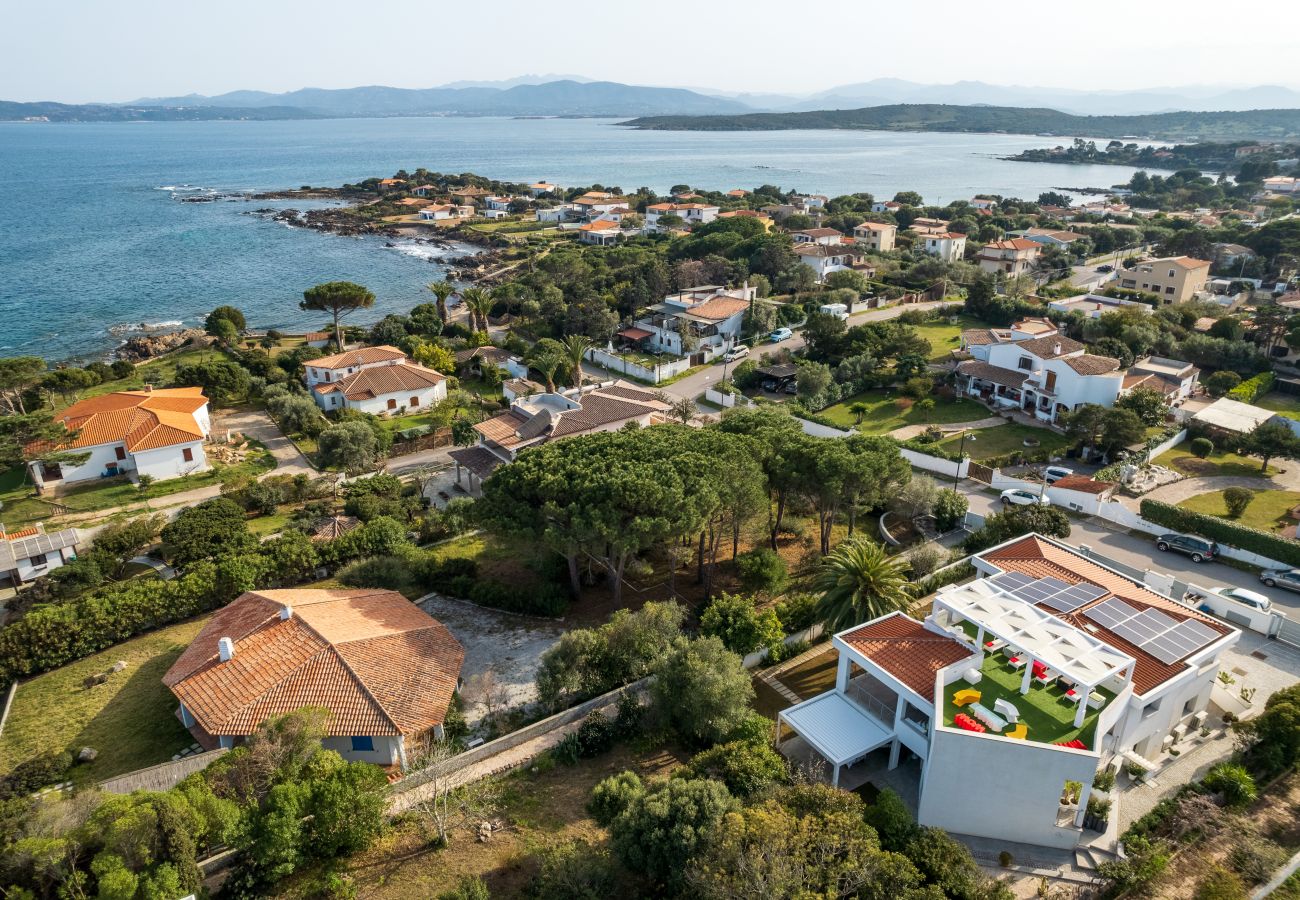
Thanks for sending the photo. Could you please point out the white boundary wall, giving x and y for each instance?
(1167, 445)
(1117, 512)
(936, 464)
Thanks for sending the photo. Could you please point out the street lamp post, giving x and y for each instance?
(956, 476)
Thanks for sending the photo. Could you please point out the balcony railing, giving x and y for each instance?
(874, 706)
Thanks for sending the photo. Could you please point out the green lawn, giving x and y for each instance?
(1000, 440)
(20, 505)
(1218, 463)
(1267, 512)
(884, 415)
(129, 719)
(1045, 710)
(264, 525)
(945, 338)
(1286, 404)
(161, 372)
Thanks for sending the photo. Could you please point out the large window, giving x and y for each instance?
(363, 745)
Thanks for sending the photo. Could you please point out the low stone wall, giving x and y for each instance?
(162, 777)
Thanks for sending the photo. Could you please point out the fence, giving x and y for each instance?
(937, 464)
(1167, 445)
(726, 401)
(619, 364)
(808, 635)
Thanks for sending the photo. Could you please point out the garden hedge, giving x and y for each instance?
(1239, 536)
(1252, 389)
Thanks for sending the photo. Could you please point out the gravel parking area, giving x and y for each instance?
(508, 646)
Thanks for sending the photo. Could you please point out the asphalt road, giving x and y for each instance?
(1140, 552)
(693, 385)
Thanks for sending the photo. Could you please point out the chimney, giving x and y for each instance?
(1056, 349)
(286, 612)
(225, 649)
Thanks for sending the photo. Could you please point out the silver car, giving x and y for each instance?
(1287, 578)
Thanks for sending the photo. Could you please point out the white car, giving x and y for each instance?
(735, 353)
(1022, 497)
(1252, 599)
(1053, 474)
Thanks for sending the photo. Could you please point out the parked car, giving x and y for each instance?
(1199, 549)
(781, 334)
(1022, 497)
(1287, 578)
(1253, 599)
(735, 353)
(791, 387)
(1105, 268)
(1053, 474)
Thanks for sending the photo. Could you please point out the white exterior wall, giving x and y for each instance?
(169, 462)
(94, 467)
(1073, 388)
(387, 752)
(1153, 716)
(823, 265)
(51, 561)
(1021, 784)
(429, 398)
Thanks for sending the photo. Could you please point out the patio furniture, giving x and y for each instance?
(988, 717)
(1096, 700)
(972, 676)
(965, 696)
(994, 645)
(1007, 710)
(1075, 744)
(1040, 670)
(1016, 662)
(1046, 678)
(1018, 732)
(961, 720)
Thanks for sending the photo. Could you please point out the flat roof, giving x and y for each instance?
(836, 728)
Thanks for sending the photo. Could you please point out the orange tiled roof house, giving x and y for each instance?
(159, 433)
(378, 380)
(384, 669)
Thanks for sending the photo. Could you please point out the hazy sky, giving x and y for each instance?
(86, 50)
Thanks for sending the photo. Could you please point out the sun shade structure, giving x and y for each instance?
(837, 729)
(1064, 649)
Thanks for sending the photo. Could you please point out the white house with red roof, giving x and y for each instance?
(949, 246)
(824, 259)
(158, 433)
(690, 213)
(1047, 669)
(710, 315)
(379, 380)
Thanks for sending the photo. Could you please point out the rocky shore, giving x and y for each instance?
(147, 346)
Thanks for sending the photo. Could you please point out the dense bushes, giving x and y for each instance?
(1252, 389)
(761, 569)
(1241, 537)
(741, 628)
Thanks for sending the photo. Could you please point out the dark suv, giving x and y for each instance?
(1198, 549)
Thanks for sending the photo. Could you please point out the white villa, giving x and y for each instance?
(690, 213)
(949, 246)
(710, 314)
(1093, 305)
(1047, 669)
(1012, 258)
(158, 433)
(379, 380)
(441, 212)
(1031, 366)
(827, 237)
(823, 259)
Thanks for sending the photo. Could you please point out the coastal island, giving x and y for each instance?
(1245, 159)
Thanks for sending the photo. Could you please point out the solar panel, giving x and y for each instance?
(1074, 596)
(1055, 584)
(1157, 619)
(1009, 581)
(1111, 613)
(1200, 631)
(1168, 653)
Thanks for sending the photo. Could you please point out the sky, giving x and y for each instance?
(79, 51)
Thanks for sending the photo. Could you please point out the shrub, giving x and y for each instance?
(470, 887)
(1104, 780)
(949, 509)
(1252, 389)
(1232, 782)
(797, 612)
(747, 768)
(741, 628)
(1005, 859)
(1220, 884)
(1255, 858)
(761, 569)
(596, 735)
(1242, 537)
(702, 690)
(926, 558)
(613, 795)
(1236, 499)
(1201, 447)
(660, 831)
(388, 572)
(893, 823)
(574, 870)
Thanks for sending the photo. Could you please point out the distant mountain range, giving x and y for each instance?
(553, 95)
(1259, 124)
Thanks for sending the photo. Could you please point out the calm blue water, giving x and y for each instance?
(89, 242)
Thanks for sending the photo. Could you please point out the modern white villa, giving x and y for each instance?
(1047, 669)
(1031, 366)
(158, 433)
(702, 320)
(379, 380)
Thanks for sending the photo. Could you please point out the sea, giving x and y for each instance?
(96, 245)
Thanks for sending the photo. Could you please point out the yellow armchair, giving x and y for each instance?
(1018, 732)
(965, 697)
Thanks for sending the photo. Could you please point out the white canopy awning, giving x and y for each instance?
(836, 728)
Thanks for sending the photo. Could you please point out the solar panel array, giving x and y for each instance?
(1161, 635)
(1049, 591)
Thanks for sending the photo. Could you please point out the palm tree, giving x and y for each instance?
(548, 364)
(860, 410)
(575, 349)
(442, 290)
(858, 582)
(479, 304)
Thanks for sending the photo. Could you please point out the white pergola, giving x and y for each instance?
(1040, 636)
(835, 728)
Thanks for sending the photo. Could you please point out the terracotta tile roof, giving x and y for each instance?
(375, 660)
(635, 394)
(908, 650)
(1083, 483)
(141, 420)
(1014, 244)
(1045, 347)
(334, 527)
(874, 226)
(1013, 378)
(479, 460)
(21, 533)
(1150, 380)
(979, 337)
(598, 409)
(1038, 558)
(1091, 364)
(744, 213)
(360, 357)
(719, 308)
(600, 226)
(502, 429)
(381, 380)
(809, 249)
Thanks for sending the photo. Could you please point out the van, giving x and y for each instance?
(838, 310)
(740, 351)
